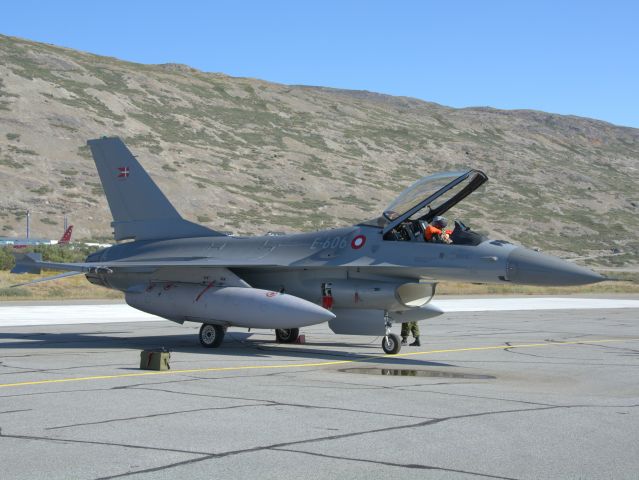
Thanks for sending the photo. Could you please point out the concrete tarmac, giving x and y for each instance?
(532, 394)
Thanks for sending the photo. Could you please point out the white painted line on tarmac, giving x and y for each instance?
(30, 315)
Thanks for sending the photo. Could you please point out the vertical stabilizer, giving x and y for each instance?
(139, 208)
(66, 237)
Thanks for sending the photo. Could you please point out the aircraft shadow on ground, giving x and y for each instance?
(236, 343)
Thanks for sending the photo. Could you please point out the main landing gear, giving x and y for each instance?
(391, 344)
(287, 335)
(211, 336)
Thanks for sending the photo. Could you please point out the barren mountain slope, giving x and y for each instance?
(250, 156)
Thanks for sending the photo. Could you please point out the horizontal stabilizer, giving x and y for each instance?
(27, 263)
(46, 279)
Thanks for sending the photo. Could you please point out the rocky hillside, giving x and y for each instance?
(249, 156)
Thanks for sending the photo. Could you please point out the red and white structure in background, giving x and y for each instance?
(28, 241)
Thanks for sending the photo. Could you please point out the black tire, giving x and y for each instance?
(391, 344)
(211, 336)
(287, 335)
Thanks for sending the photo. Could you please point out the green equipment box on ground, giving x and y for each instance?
(155, 360)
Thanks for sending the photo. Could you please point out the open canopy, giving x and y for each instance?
(430, 196)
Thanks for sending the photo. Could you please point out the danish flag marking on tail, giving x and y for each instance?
(123, 172)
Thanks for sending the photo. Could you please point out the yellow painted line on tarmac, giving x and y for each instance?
(506, 347)
(310, 364)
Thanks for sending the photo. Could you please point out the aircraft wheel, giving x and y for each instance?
(211, 336)
(391, 344)
(287, 335)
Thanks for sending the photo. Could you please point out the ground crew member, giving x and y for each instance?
(407, 328)
(435, 231)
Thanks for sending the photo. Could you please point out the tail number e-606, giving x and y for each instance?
(324, 243)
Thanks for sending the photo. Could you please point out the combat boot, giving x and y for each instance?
(404, 340)
(416, 342)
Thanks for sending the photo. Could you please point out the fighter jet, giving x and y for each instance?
(360, 279)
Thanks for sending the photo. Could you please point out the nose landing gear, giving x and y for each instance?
(391, 343)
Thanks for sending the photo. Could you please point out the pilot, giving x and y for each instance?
(435, 231)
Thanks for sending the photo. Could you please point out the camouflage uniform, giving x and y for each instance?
(409, 327)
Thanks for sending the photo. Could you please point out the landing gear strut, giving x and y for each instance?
(391, 343)
(211, 336)
(287, 335)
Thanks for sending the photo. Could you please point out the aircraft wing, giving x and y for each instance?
(187, 271)
(32, 263)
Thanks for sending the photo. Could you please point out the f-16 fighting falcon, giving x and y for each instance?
(360, 279)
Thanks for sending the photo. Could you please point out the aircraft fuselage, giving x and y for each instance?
(282, 262)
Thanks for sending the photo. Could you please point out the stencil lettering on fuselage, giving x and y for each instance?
(323, 243)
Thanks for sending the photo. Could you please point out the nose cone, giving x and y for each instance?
(533, 268)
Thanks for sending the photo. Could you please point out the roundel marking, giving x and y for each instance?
(271, 294)
(358, 242)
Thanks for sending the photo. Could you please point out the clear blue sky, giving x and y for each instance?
(570, 57)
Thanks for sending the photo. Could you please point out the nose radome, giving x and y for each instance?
(533, 268)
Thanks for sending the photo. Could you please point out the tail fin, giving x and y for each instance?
(66, 238)
(139, 208)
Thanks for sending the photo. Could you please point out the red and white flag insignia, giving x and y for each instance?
(123, 172)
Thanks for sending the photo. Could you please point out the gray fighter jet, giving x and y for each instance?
(360, 278)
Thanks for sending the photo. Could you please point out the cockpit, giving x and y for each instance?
(414, 214)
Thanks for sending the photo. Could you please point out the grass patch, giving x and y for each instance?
(15, 292)
(43, 190)
(147, 141)
(64, 127)
(68, 288)
(21, 151)
(96, 188)
(9, 162)
(85, 152)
